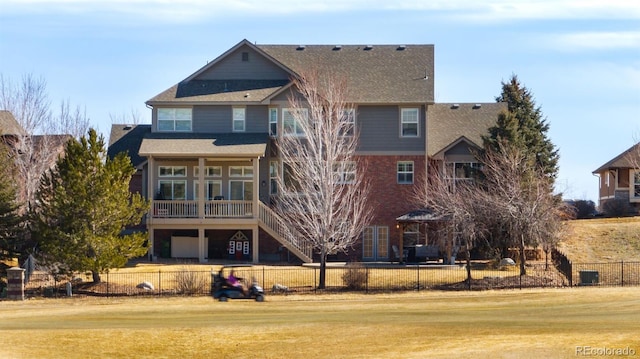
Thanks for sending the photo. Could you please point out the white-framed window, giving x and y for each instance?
(344, 172)
(240, 190)
(240, 171)
(273, 177)
(461, 170)
(290, 180)
(411, 233)
(174, 119)
(239, 123)
(405, 172)
(209, 171)
(173, 189)
(349, 118)
(273, 121)
(636, 184)
(172, 171)
(291, 121)
(409, 122)
(213, 188)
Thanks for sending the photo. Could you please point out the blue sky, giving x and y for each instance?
(581, 59)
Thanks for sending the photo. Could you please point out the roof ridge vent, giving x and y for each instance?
(368, 47)
(401, 47)
(455, 106)
(337, 48)
(477, 106)
(300, 47)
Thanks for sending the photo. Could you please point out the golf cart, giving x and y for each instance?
(223, 290)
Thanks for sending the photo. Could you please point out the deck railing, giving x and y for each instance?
(212, 209)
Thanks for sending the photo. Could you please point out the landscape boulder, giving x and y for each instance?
(145, 285)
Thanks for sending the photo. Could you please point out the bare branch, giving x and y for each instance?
(321, 190)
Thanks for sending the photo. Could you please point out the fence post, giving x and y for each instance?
(622, 273)
(159, 282)
(15, 283)
(366, 281)
(107, 284)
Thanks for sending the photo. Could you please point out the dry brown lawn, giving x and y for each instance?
(548, 323)
(603, 240)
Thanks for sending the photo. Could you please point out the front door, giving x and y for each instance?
(375, 243)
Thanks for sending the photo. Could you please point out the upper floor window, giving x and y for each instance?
(291, 118)
(273, 177)
(209, 171)
(240, 171)
(462, 170)
(172, 171)
(349, 118)
(409, 122)
(174, 119)
(405, 172)
(273, 121)
(636, 184)
(172, 190)
(239, 119)
(344, 172)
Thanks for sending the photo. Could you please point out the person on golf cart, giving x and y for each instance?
(236, 282)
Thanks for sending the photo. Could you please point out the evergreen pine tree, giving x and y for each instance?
(11, 222)
(84, 206)
(524, 126)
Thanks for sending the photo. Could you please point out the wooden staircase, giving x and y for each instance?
(276, 226)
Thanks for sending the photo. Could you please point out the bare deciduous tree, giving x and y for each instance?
(519, 196)
(460, 204)
(132, 118)
(44, 134)
(321, 190)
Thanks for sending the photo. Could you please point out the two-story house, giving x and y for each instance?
(619, 182)
(208, 165)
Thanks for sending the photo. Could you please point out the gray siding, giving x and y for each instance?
(217, 119)
(379, 130)
(232, 67)
(263, 168)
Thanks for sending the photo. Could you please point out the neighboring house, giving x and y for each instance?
(33, 154)
(619, 179)
(207, 162)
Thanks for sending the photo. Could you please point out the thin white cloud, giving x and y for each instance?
(597, 41)
(468, 10)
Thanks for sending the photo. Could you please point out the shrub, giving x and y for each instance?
(617, 208)
(190, 282)
(355, 276)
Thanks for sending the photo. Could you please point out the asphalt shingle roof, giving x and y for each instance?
(9, 125)
(375, 73)
(627, 159)
(127, 138)
(204, 144)
(447, 122)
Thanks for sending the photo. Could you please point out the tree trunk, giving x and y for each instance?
(323, 269)
(468, 253)
(523, 256)
(96, 277)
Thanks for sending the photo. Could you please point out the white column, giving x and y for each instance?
(256, 185)
(150, 194)
(255, 245)
(201, 187)
(202, 248)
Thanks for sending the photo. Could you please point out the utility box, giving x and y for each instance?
(589, 277)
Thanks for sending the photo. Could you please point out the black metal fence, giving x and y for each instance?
(284, 280)
(358, 277)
